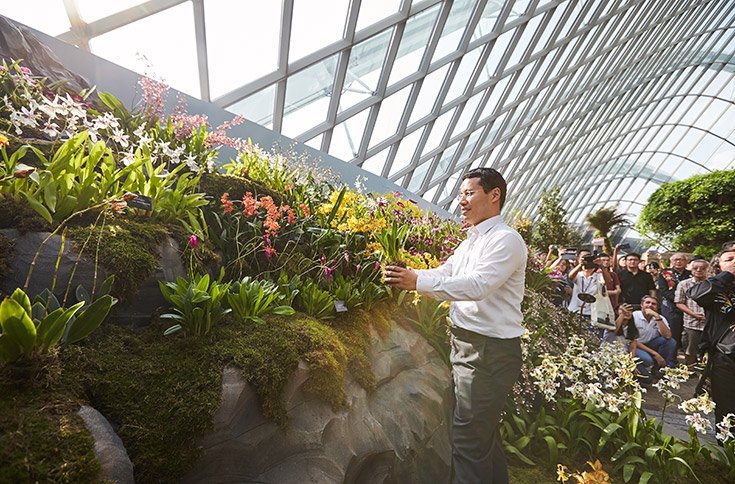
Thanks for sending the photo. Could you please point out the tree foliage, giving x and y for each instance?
(550, 226)
(604, 221)
(695, 215)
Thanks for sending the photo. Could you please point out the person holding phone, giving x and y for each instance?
(655, 347)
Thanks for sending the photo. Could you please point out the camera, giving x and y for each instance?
(589, 262)
(570, 254)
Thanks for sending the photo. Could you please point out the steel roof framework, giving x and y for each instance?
(605, 99)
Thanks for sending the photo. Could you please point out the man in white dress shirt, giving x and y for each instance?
(484, 280)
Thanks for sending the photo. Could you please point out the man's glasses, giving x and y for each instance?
(466, 195)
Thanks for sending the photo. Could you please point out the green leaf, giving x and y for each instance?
(49, 195)
(89, 319)
(553, 449)
(172, 329)
(645, 477)
(38, 207)
(609, 430)
(107, 285)
(22, 298)
(519, 454)
(51, 329)
(686, 464)
(17, 324)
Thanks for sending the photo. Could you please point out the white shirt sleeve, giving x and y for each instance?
(496, 261)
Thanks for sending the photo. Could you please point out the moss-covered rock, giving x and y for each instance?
(19, 215)
(6, 252)
(216, 184)
(126, 247)
(41, 438)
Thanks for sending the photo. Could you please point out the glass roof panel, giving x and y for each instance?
(307, 97)
(413, 44)
(523, 43)
(54, 21)
(444, 162)
(346, 136)
(391, 110)
(313, 28)
(257, 107)
(316, 142)
(438, 131)
(223, 17)
(92, 10)
(497, 52)
(453, 28)
(371, 12)
(405, 151)
(469, 110)
(428, 93)
(125, 44)
(375, 163)
(364, 68)
(490, 15)
(419, 175)
(463, 74)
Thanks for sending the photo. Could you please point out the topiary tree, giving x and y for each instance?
(551, 226)
(695, 215)
(604, 221)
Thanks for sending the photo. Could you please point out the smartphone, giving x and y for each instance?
(625, 246)
(635, 307)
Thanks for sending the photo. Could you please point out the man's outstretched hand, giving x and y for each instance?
(400, 277)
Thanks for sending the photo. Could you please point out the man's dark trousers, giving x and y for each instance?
(484, 371)
(675, 318)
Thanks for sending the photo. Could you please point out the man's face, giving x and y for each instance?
(699, 270)
(476, 205)
(605, 261)
(678, 262)
(727, 257)
(631, 262)
(649, 303)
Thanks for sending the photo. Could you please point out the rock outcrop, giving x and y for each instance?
(396, 434)
(108, 448)
(137, 311)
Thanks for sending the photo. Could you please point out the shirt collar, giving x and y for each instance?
(485, 226)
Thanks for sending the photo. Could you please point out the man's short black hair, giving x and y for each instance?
(489, 178)
(634, 254)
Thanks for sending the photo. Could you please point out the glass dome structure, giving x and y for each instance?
(605, 99)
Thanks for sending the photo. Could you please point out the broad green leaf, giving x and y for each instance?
(17, 324)
(22, 298)
(49, 195)
(89, 319)
(106, 286)
(38, 207)
(51, 329)
(645, 477)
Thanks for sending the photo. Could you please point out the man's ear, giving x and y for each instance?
(495, 193)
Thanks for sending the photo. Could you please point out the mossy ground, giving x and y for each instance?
(160, 392)
(42, 439)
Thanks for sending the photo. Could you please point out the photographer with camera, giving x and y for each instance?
(586, 280)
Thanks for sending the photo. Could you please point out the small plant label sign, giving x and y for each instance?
(340, 307)
(141, 201)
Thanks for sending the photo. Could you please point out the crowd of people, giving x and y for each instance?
(658, 309)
